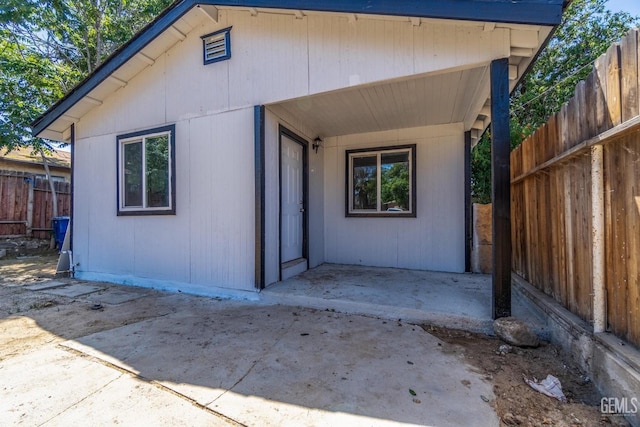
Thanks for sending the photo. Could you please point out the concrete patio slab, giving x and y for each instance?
(131, 402)
(52, 387)
(45, 285)
(115, 297)
(280, 365)
(73, 291)
(454, 300)
(37, 386)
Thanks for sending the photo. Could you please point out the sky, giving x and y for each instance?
(631, 6)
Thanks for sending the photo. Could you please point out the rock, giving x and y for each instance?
(32, 244)
(515, 332)
(504, 349)
(3, 253)
(509, 419)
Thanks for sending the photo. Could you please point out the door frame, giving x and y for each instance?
(283, 131)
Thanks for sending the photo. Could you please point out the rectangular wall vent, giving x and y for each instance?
(217, 46)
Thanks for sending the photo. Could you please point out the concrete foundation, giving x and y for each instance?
(613, 365)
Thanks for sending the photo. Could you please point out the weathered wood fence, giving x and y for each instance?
(26, 205)
(576, 198)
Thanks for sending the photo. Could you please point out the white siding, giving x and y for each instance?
(278, 57)
(221, 208)
(434, 240)
(210, 241)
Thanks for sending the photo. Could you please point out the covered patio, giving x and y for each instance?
(455, 300)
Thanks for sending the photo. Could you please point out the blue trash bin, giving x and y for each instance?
(59, 225)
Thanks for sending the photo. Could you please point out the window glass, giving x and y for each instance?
(133, 174)
(157, 171)
(381, 181)
(394, 182)
(146, 172)
(365, 190)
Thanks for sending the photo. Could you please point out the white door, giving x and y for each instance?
(292, 205)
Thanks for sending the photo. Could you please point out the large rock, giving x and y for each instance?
(515, 332)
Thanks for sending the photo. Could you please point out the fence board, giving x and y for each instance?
(629, 84)
(14, 204)
(552, 200)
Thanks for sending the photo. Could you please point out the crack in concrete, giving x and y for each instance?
(255, 362)
(154, 383)
(82, 400)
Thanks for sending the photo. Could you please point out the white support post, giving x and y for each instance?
(598, 239)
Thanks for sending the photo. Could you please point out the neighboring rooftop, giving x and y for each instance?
(59, 158)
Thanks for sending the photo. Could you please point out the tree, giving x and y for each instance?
(587, 30)
(48, 46)
(394, 185)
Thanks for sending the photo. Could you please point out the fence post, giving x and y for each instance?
(30, 183)
(598, 240)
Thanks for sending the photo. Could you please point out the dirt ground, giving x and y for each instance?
(516, 403)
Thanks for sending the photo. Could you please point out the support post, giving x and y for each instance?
(501, 188)
(72, 143)
(468, 226)
(259, 160)
(597, 233)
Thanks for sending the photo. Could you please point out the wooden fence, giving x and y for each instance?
(575, 192)
(26, 205)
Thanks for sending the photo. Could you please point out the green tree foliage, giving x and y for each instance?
(587, 30)
(394, 185)
(48, 46)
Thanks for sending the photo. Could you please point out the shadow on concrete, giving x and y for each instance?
(261, 364)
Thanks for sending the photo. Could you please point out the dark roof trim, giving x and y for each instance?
(536, 12)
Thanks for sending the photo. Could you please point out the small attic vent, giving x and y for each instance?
(217, 46)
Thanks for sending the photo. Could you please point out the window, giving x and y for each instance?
(381, 182)
(217, 46)
(146, 172)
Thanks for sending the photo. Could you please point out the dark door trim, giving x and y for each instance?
(283, 131)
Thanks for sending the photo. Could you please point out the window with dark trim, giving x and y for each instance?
(146, 172)
(216, 46)
(381, 182)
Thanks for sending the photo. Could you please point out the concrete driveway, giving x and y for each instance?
(152, 358)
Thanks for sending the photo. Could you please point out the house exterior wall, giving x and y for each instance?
(278, 57)
(434, 240)
(315, 208)
(210, 242)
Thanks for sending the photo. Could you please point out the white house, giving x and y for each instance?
(231, 144)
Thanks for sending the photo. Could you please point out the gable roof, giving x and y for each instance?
(534, 12)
